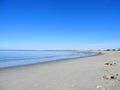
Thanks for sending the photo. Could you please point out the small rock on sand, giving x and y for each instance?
(99, 87)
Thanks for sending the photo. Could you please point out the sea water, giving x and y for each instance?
(10, 58)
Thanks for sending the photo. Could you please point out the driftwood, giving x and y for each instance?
(109, 77)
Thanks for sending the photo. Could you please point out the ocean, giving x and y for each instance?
(10, 58)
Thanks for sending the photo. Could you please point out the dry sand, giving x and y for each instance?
(75, 74)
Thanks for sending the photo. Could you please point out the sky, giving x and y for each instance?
(59, 24)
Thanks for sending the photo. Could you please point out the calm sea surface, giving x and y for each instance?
(9, 58)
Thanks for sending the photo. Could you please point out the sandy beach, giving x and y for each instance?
(74, 74)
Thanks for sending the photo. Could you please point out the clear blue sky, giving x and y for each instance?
(59, 24)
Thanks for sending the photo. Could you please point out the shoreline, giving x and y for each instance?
(74, 74)
(58, 60)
